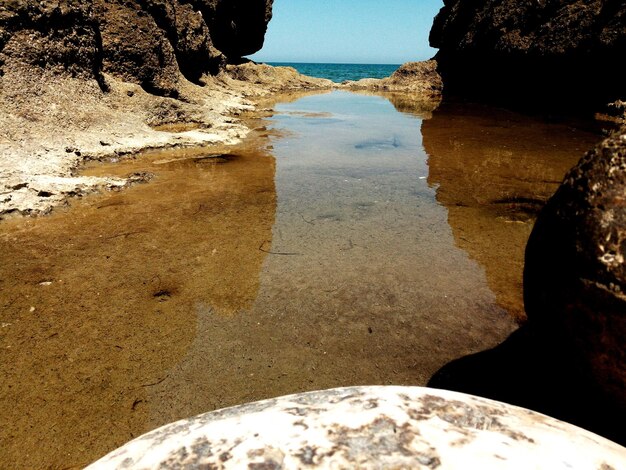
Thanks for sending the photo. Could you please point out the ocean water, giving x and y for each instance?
(341, 72)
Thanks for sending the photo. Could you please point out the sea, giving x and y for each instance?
(341, 72)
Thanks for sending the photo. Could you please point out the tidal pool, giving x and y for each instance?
(353, 239)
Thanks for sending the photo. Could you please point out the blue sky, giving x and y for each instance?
(349, 31)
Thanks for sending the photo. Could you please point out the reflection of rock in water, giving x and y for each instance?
(362, 283)
(113, 282)
(568, 360)
(493, 171)
(411, 104)
(416, 105)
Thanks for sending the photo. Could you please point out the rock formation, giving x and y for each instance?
(575, 272)
(545, 52)
(91, 79)
(369, 428)
(148, 42)
(555, 55)
(418, 78)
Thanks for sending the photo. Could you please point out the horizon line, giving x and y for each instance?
(331, 63)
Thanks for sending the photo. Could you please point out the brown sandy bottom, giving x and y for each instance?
(318, 254)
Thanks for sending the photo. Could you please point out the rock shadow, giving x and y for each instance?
(534, 369)
(493, 170)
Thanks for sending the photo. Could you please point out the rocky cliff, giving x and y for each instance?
(148, 42)
(545, 52)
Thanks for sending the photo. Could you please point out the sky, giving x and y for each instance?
(349, 31)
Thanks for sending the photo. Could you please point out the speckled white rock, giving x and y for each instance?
(370, 427)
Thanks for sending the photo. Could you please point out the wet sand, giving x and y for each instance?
(322, 252)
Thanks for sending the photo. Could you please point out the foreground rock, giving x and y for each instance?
(370, 427)
(537, 54)
(575, 274)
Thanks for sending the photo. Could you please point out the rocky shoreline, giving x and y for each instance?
(110, 79)
(70, 121)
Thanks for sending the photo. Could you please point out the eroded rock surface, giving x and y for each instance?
(273, 79)
(370, 427)
(149, 42)
(545, 52)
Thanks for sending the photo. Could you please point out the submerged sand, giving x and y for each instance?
(210, 286)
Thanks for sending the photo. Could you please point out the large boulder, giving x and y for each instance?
(369, 428)
(575, 270)
(549, 52)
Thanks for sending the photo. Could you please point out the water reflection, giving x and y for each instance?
(99, 301)
(373, 289)
(493, 171)
(361, 283)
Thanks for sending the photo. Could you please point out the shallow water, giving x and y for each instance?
(344, 243)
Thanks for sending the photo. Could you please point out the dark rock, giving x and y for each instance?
(149, 42)
(547, 52)
(575, 274)
(187, 31)
(59, 34)
(136, 49)
(238, 26)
